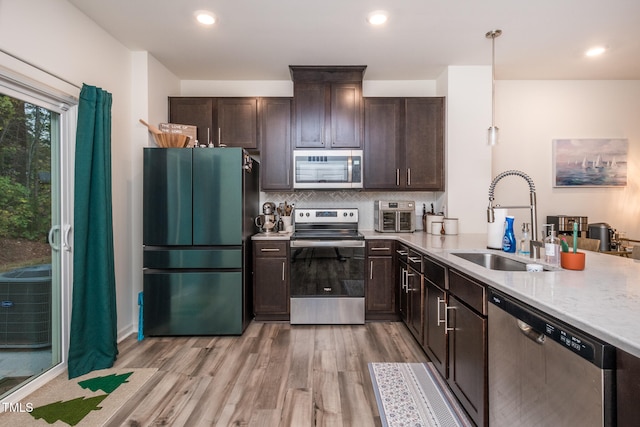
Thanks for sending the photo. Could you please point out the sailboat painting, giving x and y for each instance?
(599, 162)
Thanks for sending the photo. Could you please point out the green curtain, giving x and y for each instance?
(93, 335)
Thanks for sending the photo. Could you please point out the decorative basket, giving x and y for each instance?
(171, 140)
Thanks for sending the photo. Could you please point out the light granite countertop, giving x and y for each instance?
(602, 300)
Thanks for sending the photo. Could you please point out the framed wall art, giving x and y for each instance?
(597, 162)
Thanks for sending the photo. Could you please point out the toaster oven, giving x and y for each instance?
(394, 217)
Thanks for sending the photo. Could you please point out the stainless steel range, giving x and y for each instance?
(327, 267)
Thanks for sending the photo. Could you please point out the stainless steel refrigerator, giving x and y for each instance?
(198, 209)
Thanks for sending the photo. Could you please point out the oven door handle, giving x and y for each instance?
(327, 243)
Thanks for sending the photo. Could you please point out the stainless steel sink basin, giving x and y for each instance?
(493, 261)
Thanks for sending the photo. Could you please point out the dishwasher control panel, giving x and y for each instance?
(582, 344)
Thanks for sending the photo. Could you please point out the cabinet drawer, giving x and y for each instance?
(402, 251)
(270, 248)
(380, 247)
(470, 292)
(414, 259)
(434, 272)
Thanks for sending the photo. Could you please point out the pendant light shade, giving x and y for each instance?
(492, 134)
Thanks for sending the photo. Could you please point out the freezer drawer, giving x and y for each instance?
(192, 303)
(193, 257)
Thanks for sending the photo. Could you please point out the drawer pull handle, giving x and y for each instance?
(269, 250)
(446, 318)
(403, 253)
(441, 300)
(379, 249)
(415, 260)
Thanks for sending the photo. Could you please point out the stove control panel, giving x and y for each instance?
(326, 216)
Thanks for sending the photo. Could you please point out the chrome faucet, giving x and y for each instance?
(535, 244)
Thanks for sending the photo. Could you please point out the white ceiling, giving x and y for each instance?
(259, 39)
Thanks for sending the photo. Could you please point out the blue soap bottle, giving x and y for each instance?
(509, 239)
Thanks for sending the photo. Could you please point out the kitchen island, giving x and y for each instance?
(602, 300)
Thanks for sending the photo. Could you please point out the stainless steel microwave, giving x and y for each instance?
(327, 169)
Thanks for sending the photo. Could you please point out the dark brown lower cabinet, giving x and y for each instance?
(468, 347)
(435, 338)
(468, 359)
(380, 285)
(414, 284)
(627, 389)
(271, 280)
(435, 304)
(403, 290)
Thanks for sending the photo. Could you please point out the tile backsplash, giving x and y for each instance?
(363, 200)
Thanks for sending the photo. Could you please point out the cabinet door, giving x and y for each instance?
(380, 286)
(468, 359)
(346, 115)
(271, 290)
(311, 101)
(403, 292)
(381, 143)
(627, 388)
(196, 112)
(435, 336)
(237, 123)
(424, 144)
(275, 144)
(415, 283)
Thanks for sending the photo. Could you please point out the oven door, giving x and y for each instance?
(327, 281)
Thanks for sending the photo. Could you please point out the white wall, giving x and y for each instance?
(152, 84)
(530, 114)
(468, 92)
(55, 36)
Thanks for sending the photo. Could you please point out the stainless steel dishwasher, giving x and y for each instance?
(543, 372)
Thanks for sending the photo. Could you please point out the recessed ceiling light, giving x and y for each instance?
(205, 17)
(377, 17)
(595, 51)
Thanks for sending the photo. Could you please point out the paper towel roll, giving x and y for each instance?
(495, 230)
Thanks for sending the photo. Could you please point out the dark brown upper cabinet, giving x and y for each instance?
(230, 122)
(275, 144)
(404, 144)
(327, 106)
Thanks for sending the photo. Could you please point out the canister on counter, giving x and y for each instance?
(450, 226)
(436, 227)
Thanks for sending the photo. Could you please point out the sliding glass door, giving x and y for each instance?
(33, 237)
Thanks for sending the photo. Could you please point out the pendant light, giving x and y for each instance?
(493, 130)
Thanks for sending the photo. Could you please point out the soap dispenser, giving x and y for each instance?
(525, 241)
(509, 239)
(552, 247)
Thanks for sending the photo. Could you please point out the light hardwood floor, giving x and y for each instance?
(275, 374)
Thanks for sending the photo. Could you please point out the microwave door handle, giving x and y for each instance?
(350, 169)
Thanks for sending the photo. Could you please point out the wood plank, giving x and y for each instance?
(274, 374)
(327, 402)
(298, 408)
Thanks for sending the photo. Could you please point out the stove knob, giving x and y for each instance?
(344, 214)
(307, 214)
(351, 214)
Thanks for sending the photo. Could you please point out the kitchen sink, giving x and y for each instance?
(493, 261)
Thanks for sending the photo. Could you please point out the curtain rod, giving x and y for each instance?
(40, 69)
